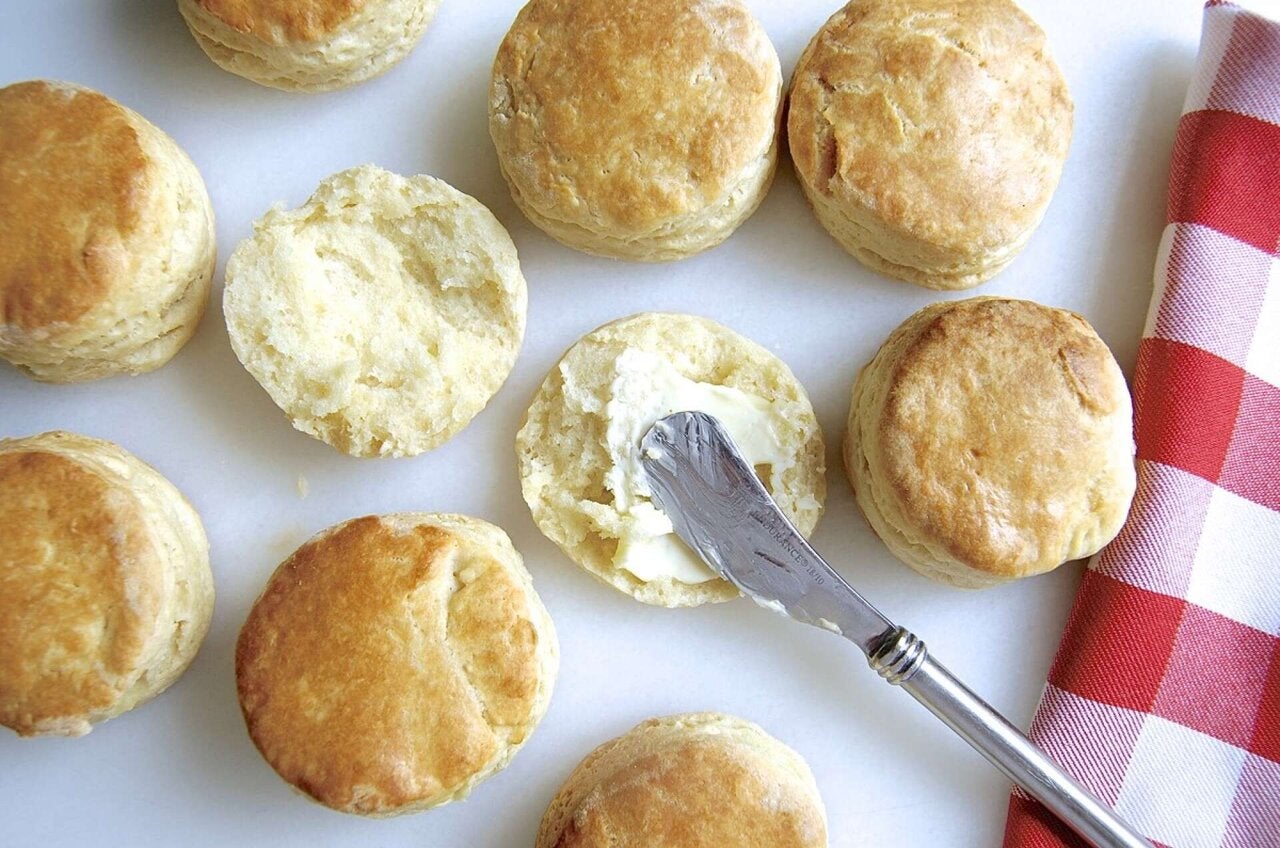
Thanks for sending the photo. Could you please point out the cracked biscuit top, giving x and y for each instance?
(625, 117)
(945, 119)
(394, 662)
(998, 437)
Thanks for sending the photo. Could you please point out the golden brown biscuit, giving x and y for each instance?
(392, 663)
(105, 590)
(638, 129)
(307, 45)
(991, 439)
(929, 135)
(106, 236)
(700, 780)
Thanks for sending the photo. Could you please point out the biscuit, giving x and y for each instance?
(929, 135)
(578, 448)
(308, 46)
(106, 236)
(105, 589)
(699, 780)
(991, 439)
(393, 663)
(637, 129)
(382, 314)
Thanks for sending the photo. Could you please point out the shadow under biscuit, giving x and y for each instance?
(221, 766)
(240, 416)
(156, 49)
(455, 127)
(1130, 210)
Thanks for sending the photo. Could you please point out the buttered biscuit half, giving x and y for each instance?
(578, 449)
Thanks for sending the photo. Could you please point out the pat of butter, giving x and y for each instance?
(645, 388)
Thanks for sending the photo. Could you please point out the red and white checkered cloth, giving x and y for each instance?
(1164, 698)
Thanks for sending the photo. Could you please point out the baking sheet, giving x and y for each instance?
(181, 770)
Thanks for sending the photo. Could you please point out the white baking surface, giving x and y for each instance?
(181, 769)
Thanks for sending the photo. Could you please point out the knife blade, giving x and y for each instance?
(700, 481)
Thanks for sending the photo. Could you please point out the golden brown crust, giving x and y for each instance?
(107, 237)
(281, 21)
(991, 439)
(105, 590)
(930, 134)
(628, 117)
(391, 663)
(74, 185)
(694, 781)
(79, 590)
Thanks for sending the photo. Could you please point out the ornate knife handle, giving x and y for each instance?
(902, 659)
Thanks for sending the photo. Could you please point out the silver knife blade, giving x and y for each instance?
(721, 510)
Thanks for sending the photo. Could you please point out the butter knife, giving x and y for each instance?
(721, 510)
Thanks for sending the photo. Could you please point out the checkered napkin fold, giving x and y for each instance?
(1164, 698)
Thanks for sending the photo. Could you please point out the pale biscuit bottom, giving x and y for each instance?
(371, 43)
(678, 239)
(138, 328)
(865, 237)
